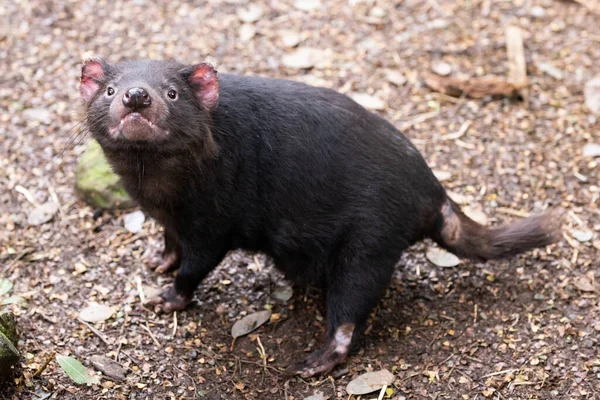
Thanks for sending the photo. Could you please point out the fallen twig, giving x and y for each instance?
(452, 136)
(417, 119)
(510, 211)
(475, 88)
(44, 365)
(147, 328)
(95, 332)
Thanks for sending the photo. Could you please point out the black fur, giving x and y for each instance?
(332, 192)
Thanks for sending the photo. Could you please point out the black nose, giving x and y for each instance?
(136, 98)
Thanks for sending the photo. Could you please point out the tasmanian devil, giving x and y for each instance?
(333, 193)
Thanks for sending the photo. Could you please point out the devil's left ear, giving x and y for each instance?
(92, 72)
(205, 83)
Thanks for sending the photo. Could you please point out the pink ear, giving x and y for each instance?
(205, 82)
(92, 70)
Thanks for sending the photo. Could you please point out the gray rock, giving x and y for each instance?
(441, 68)
(134, 221)
(37, 114)
(96, 182)
(591, 150)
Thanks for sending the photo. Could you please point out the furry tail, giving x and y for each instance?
(466, 238)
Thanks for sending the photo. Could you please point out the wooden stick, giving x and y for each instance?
(95, 332)
(516, 56)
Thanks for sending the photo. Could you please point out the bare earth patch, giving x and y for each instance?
(519, 329)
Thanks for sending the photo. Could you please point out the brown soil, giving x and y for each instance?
(519, 329)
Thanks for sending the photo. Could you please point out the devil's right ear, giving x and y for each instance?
(92, 72)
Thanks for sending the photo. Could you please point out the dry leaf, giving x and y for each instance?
(582, 235)
(370, 382)
(476, 214)
(441, 257)
(584, 284)
(76, 370)
(108, 367)
(96, 312)
(42, 214)
(249, 323)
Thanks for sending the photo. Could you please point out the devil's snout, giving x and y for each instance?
(136, 99)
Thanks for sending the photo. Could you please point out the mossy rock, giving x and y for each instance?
(99, 186)
(9, 354)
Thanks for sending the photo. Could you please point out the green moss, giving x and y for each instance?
(9, 355)
(97, 183)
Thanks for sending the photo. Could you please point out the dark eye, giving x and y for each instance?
(172, 94)
(110, 91)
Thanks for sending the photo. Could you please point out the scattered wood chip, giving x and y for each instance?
(96, 313)
(459, 198)
(307, 5)
(368, 101)
(591, 92)
(441, 257)
(250, 14)
(290, 38)
(473, 87)
(76, 371)
(303, 58)
(551, 70)
(395, 77)
(453, 136)
(249, 323)
(517, 68)
(108, 367)
(442, 175)
(370, 382)
(42, 214)
(515, 213)
(247, 32)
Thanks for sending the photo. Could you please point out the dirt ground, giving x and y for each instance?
(526, 328)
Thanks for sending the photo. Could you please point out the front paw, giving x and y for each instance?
(169, 301)
(167, 263)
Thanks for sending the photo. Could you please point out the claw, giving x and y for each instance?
(167, 263)
(169, 301)
(170, 263)
(325, 360)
